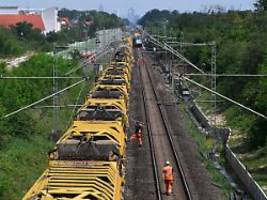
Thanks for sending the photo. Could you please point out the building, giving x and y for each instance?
(46, 20)
(51, 20)
(64, 22)
(9, 10)
(9, 20)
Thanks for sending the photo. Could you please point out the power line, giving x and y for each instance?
(190, 44)
(176, 53)
(76, 103)
(99, 54)
(39, 77)
(229, 75)
(226, 98)
(86, 62)
(60, 106)
(173, 51)
(43, 99)
(183, 58)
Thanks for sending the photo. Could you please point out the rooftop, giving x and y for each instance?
(11, 20)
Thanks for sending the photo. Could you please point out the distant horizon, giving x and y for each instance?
(122, 7)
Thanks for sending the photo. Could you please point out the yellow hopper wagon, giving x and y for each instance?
(123, 55)
(117, 71)
(114, 80)
(103, 110)
(87, 162)
(78, 180)
(91, 141)
(110, 92)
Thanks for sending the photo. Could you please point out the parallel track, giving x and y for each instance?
(151, 142)
(170, 139)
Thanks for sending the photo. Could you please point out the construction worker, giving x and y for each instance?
(168, 176)
(138, 133)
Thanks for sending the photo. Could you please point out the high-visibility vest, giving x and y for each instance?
(168, 173)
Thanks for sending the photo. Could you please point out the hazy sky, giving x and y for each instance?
(122, 6)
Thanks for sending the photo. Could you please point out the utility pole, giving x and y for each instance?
(181, 43)
(55, 122)
(165, 41)
(214, 81)
(172, 71)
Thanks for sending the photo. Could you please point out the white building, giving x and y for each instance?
(50, 19)
(9, 10)
(49, 16)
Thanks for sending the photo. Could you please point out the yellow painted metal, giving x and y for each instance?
(112, 79)
(73, 179)
(115, 77)
(78, 180)
(117, 70)
(121, 65)
(112, 131)
(110, 88)
(115, 103)
(109, 105)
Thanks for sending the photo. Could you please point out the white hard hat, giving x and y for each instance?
(167, 162)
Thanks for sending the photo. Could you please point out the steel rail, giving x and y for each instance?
(151, 141)
(168, 131)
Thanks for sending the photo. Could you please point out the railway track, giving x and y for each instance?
(151, 142)
(161, 140)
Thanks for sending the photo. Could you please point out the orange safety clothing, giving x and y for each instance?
(168, 173)
(168, 186)
(168, 178)
(137, 136)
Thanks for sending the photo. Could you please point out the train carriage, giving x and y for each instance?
(87, 161)
(78, 180)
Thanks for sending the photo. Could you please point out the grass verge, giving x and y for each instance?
(205, 146)
(22, 162)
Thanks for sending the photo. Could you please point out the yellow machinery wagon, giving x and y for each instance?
(87, 161)
(104, 110)
(78, 180)
(110, 92)
(114, 80)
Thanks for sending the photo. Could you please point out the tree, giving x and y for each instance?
(22, 29)
(261, 5)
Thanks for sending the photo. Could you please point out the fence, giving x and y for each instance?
(254, 189)
(240, 170)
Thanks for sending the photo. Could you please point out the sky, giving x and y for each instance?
(121, 6)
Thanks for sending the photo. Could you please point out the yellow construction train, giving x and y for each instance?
(88, 160)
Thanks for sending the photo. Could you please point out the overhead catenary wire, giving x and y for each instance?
(229, 75)
(60, 106)
(176, 53)
(39, 77)
(83, 64)
(173, 51)
(103, 52)
(226, 98)
(43, 99)
(187, 44)
(76, 102)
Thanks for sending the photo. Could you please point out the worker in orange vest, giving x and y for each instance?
(168, 176)
(138, 133)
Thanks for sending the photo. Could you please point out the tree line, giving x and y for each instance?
(23, 37)
(241, 49)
